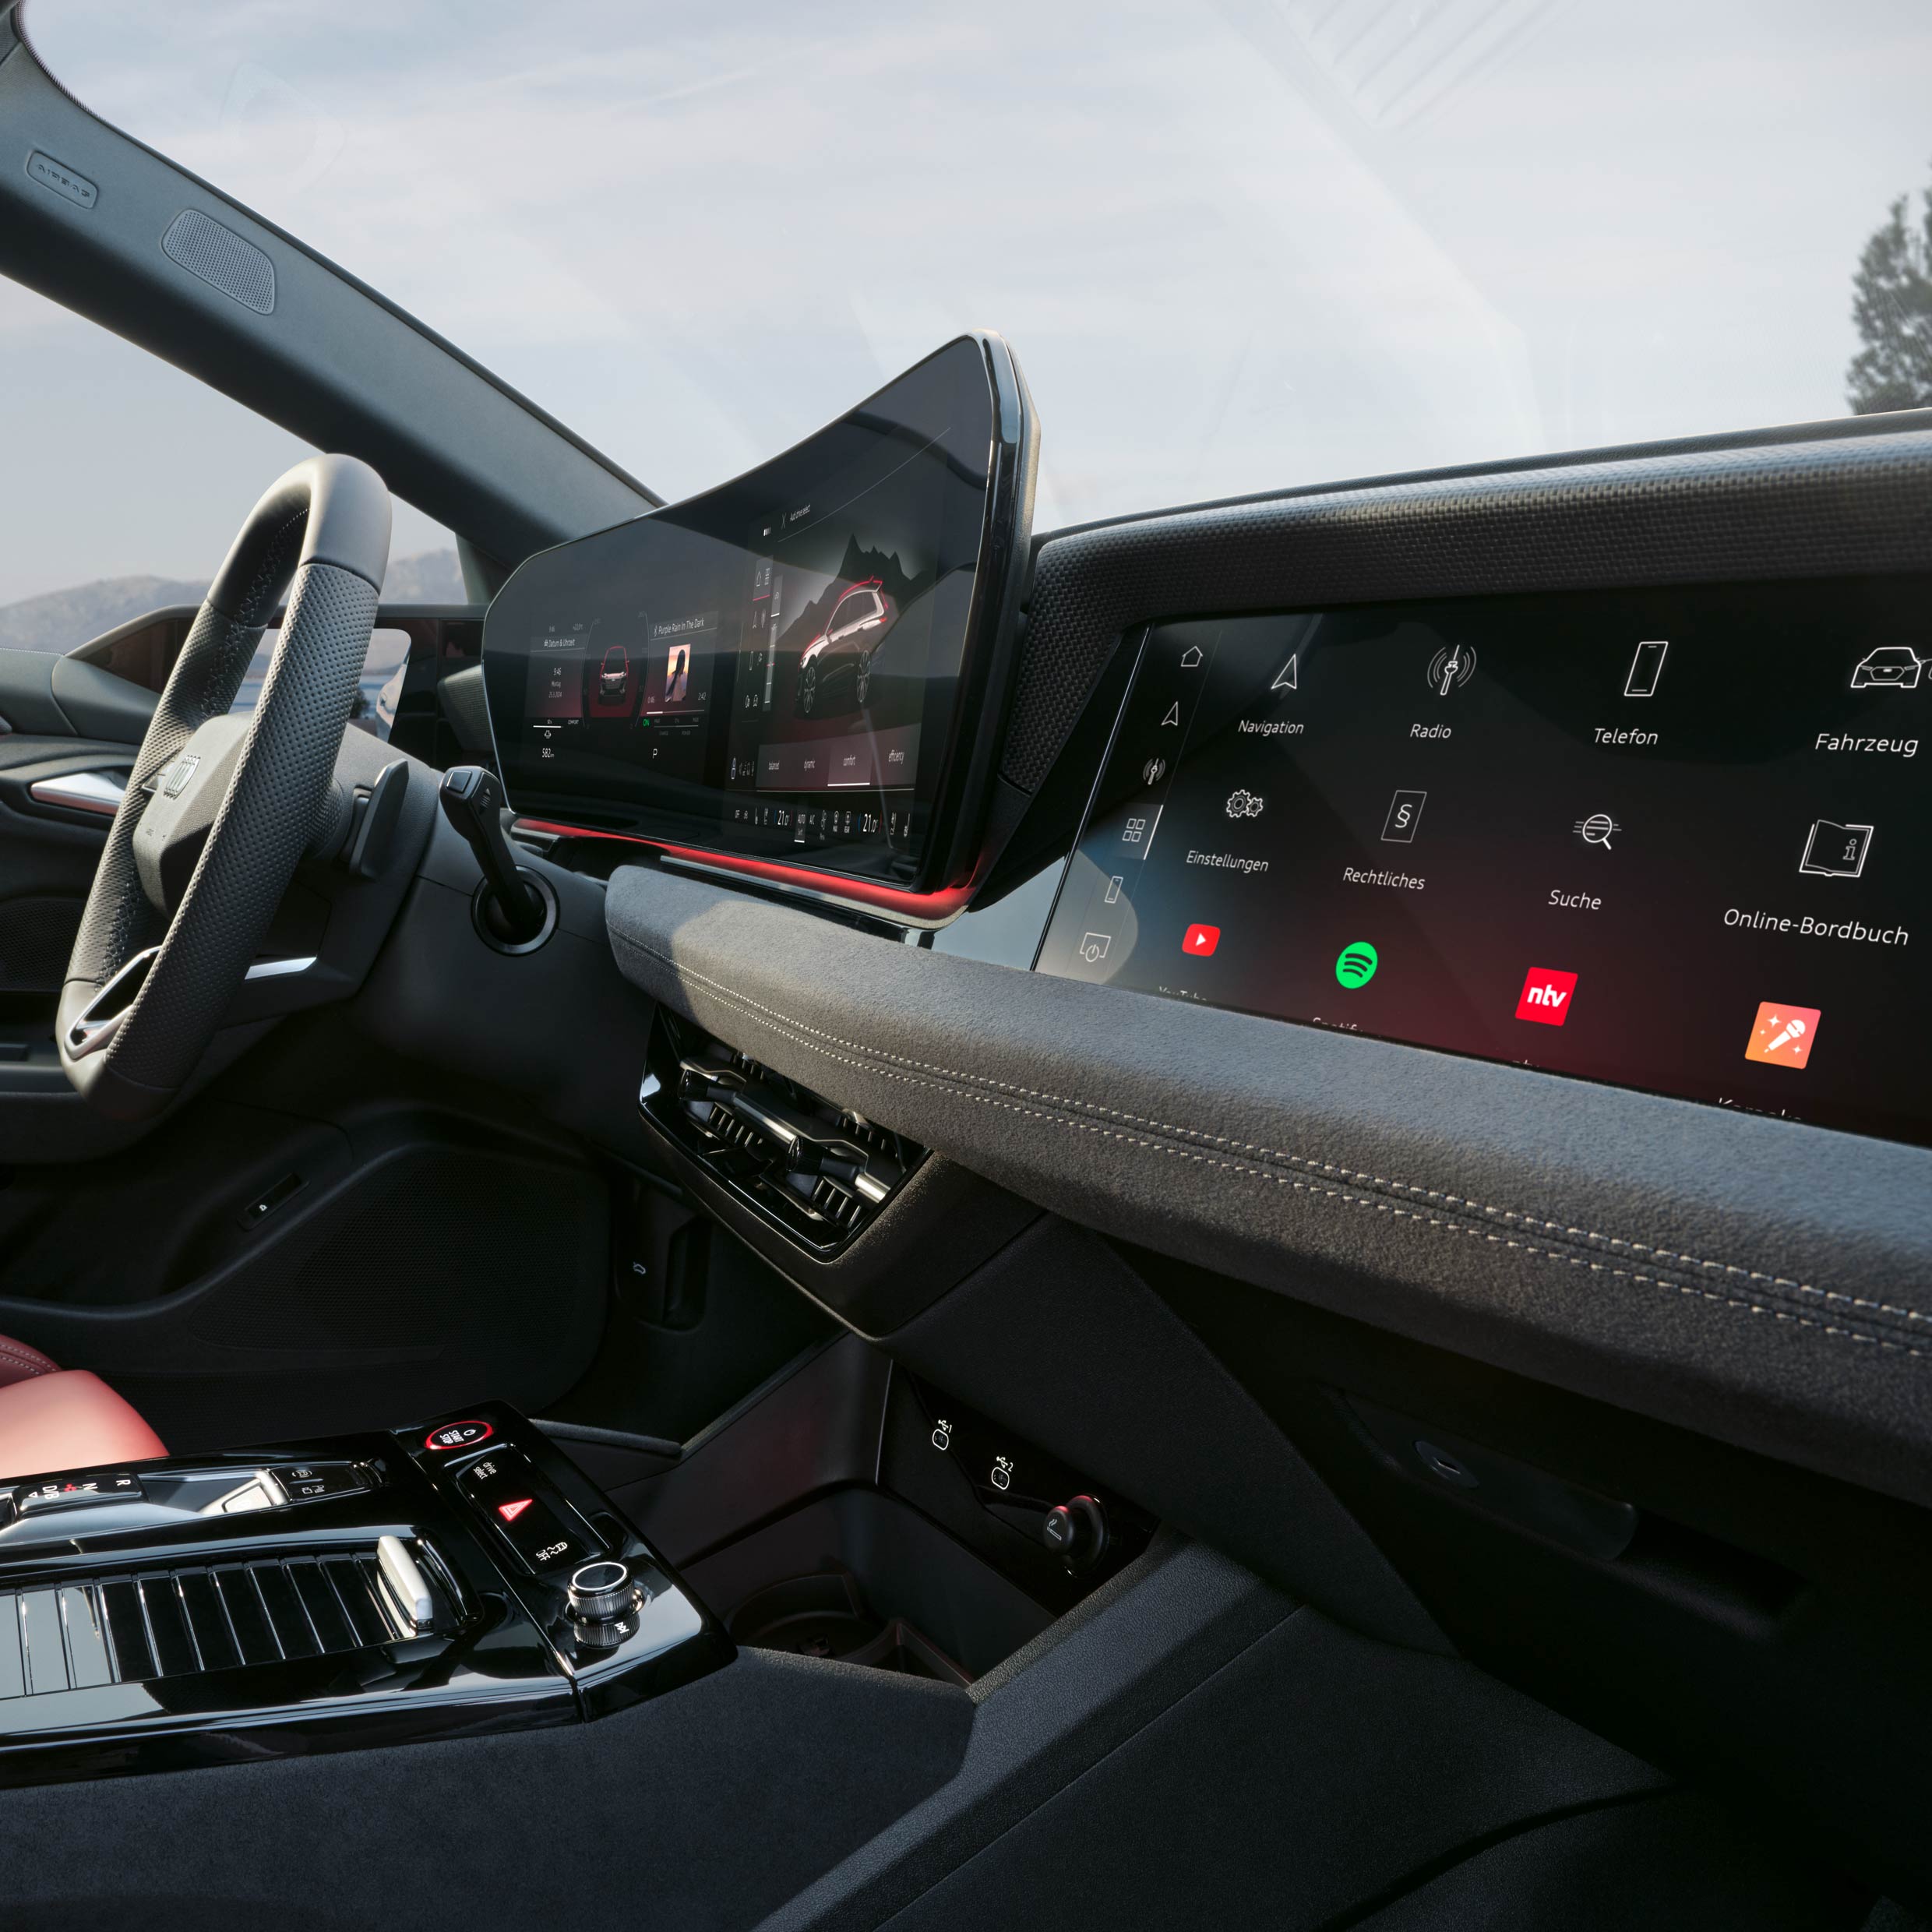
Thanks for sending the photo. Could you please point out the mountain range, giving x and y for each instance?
(58, 620)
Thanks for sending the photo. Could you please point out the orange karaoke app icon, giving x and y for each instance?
(1783, 1036)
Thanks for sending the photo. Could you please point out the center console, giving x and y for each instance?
(457, 1577)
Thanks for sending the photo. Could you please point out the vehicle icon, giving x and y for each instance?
(613, 676)
(1890, 668)
(835, 668)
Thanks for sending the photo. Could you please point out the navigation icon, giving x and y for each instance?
(1173, 714)
(1191, 658)
(1285, 680)
(1835, 852)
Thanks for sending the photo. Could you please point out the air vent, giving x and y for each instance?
(817, 1170)
(841, 1209)
(176, 1623)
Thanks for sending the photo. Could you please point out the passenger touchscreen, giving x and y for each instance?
(1673, 839)
(776, 668)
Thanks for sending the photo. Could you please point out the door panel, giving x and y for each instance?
(294, 1257)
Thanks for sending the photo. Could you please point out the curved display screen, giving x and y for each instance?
(1669, 839)
(779, 667)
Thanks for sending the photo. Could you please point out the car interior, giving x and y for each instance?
(867, 1215)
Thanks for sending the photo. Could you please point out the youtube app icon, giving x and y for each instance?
(1200, 940)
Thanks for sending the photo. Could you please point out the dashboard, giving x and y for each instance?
(1453, 943)
(1671, 838)
(1658, 828)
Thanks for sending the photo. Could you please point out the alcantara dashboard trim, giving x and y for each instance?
(1753, 1279)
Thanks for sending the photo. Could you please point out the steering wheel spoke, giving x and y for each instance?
(219, 809)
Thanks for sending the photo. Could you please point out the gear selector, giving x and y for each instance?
(514, 910)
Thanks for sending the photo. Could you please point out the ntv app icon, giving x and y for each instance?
(1546, 996)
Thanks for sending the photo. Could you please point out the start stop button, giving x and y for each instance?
(448, 1436)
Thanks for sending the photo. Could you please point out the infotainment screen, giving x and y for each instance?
(1672, 839)
(783, 667)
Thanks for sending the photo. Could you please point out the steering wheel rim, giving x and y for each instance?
(321, 533)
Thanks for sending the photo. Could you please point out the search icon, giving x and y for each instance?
(1596, 830)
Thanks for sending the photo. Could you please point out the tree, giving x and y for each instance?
(1891, 303)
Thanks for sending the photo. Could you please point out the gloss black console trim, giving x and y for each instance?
(222, 1609)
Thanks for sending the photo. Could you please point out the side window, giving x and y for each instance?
(126, 480)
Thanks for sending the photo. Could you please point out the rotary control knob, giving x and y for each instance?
(603, 1600)
(1076, 1531)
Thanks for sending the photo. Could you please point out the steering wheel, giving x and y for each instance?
(218, 809)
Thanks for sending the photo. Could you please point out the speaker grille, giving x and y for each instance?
(222, 259)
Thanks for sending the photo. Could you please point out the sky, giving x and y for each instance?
(1237, 244)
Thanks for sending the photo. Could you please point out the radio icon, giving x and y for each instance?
(1451, 669)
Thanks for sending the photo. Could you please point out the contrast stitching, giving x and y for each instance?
(34, 1362)
(870, 1063)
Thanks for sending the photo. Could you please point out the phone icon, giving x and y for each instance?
(1646, 668)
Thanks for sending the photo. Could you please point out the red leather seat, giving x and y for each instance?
(52, 1418)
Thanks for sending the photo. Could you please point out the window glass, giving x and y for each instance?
(126, 480)
(1237, 244)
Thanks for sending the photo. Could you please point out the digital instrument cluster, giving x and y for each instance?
(780, 667)
(1670, 839)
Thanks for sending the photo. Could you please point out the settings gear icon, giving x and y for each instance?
(1245, 804)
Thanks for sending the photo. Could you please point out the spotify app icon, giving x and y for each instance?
(1356, 966)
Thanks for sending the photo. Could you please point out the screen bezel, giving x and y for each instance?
(952, 788)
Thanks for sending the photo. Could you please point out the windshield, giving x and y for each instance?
(1236, 246)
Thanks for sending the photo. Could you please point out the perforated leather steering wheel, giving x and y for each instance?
(163, 949)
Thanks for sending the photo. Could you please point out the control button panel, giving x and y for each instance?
(78, 1492)
(504, 1489)
(304, 1482)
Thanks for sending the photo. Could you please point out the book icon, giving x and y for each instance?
(1835, 851)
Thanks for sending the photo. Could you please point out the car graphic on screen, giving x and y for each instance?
(1891, 667)
(613, 677)
(835, 668)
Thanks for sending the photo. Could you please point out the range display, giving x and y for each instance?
(779, 669)
(1670, 839)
